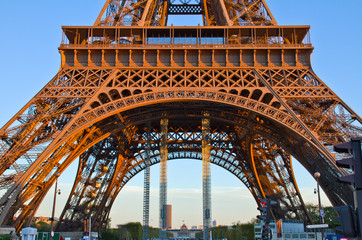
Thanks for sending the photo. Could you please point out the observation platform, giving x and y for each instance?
(200, 46)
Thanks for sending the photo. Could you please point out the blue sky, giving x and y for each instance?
(29, 38)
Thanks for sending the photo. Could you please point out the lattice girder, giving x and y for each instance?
(179, 155)
(96, 167)
(227, 116)
(273, 169)
(25, 136)
(42, 177)
(155, 12)
(175, 147)
(174, 136)
(164, 96)
(234, 121)
(113, 80)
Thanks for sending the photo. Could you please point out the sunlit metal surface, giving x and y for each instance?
(252, 77)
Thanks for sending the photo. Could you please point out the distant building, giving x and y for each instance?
(168, 212)
(184, 232)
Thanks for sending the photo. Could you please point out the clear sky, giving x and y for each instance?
(30, 32)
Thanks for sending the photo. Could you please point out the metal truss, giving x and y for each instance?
(274, 171)
(253, 78)
(155, 12)
(222, 97)
(193, 142)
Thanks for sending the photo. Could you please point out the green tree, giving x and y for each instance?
(329, 214)
(239, 231)
(243, 231)
(199, 235)
(154, 233)
(313, 211)
(110, 234)
(247, 230)
(41, 226)
(330, 217)
(219, 232)
(132, 230)
(234, 233)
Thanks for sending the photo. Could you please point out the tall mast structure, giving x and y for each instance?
(206, 176)
(163, 176)
(146, 184)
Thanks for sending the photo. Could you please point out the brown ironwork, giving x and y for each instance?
(130, 70)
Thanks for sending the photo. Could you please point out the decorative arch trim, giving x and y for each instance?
(92, 116)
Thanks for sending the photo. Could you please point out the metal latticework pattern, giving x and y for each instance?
(129, 71)
(206, 176)
(155, 12)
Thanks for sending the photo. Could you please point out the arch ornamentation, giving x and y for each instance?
(253, 77)
(101, 130)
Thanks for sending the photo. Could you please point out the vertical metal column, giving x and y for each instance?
(146, 187)
(163, 177)
(206, 179)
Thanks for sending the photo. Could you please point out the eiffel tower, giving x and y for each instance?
(131, 92)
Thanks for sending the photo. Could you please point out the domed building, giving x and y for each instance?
(184, 231)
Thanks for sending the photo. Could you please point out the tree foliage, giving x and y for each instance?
(110, 234)
(329, 215)
(132, 230)
(239, 231)
(41, 226)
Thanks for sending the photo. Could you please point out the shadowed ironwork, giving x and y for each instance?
(238, 92)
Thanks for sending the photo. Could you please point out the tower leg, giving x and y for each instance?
(163, 177)
(146, 190)
(206, 179)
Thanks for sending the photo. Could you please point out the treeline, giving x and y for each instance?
(238, 231)
(133, 231)
(130, 231)
(330, 215)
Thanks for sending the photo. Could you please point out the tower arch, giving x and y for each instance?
(232, 127)
(252, 75)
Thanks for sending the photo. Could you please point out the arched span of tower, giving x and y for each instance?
(245, 124)
(189, 147)
(252, 77)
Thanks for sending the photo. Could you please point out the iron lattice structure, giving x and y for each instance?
(129, 71)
